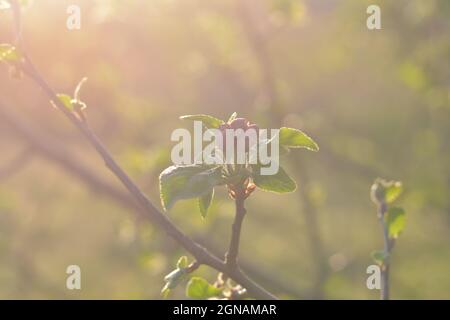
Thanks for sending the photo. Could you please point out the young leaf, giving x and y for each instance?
(9, 53)
(204, 202)
(395, 220)
(175, 277)
(172, 280)
(76, 94)
(66, 100)
(294, 138)
(232, 117)
(199, 288)
(379, 257)
(208, 121)
(182, 262)
(279, 183)
(186, 182)
(165, 291)
(385, 191)
(393, 191)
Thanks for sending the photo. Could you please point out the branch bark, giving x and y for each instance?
(151, 212)
(384, 292)
(258, 44)
(158, 218)
(233, 251)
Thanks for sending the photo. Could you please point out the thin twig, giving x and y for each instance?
(233, 251)
(56, 152)
(384, 292)
(200, 253)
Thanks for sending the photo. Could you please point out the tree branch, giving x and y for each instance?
(56, 152)
(151, 212)
(384, 292)
(232, 255)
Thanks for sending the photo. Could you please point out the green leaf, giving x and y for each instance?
(284, 150)
(385, 191)
(199, 288)
(175, 277)
(294, 138)
(182, 262)
(9, 53)
(165, 291)
(232, 117)
(279, 183)
(66, 100)
(208, 121)
(395, 220)
(204, 202)
(379, 257)
(186, 182)
(393, 191)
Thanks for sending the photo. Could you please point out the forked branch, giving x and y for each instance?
(201, 255)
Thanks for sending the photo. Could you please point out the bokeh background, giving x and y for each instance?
(377, 102)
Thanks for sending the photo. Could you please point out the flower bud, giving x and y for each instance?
(174, 278)
(239, 123)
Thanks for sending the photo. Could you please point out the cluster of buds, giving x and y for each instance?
(232, 291)
(243, 187)
(245, 126)
(384, 192)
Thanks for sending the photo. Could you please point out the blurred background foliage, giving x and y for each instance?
(377, 103)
